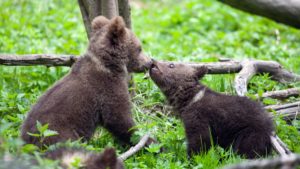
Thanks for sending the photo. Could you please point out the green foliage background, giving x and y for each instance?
(194, 30)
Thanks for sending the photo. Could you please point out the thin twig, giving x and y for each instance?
(136, 148)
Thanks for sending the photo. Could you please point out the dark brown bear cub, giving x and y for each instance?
(228, 120)
(95, 92)
(67, 156)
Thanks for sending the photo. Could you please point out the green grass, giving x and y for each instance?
(194, 31)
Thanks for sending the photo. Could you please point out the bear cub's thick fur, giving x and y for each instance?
(95, 92)
(67, 157)
(228, 120)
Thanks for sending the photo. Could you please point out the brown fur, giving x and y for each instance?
(67, 157)
(228, 120)
(106, 160)
(95, 92)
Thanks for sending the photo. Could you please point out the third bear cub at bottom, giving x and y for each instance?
(229, 120)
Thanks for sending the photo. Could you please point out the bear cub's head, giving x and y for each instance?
(114, 44)
(68, 156)
(171, 76)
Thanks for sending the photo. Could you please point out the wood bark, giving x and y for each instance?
(283, 11)
(89, 10)
(109, 8)
(284, 162)
(252, 67)
(246, 69)
(284, 106)
(125, 12)
(281, 94)
(279, 145)
(37, 59)
(288, 111)
(136, 148)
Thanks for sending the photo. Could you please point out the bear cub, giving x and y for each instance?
(209, 116)
(95, 92)
(67, 157)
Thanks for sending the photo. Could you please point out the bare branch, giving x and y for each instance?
(274, 68)
(287, 111)
(284, 162)
(250, 68)
(37, 59)
(282, 94)
(279, 146)
(243, 77)
(136, 148)
(284, 106)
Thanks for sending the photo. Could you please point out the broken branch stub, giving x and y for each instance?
(244, 76)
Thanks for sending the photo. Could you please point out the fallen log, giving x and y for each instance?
(284, 162)
(37, 59)
(273, 68)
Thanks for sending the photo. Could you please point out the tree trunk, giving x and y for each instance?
(283, 11)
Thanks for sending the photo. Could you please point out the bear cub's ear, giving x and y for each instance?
(200, 71)
(116, 30)
(99, 22)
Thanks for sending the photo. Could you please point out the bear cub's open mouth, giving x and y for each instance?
(154, 68)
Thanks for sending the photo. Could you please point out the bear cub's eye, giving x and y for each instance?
(171, 65)
(140, 49)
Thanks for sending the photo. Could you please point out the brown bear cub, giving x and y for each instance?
(209, 116)
(95, 92)
(67, 158)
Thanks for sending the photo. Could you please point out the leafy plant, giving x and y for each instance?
(43, 132)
